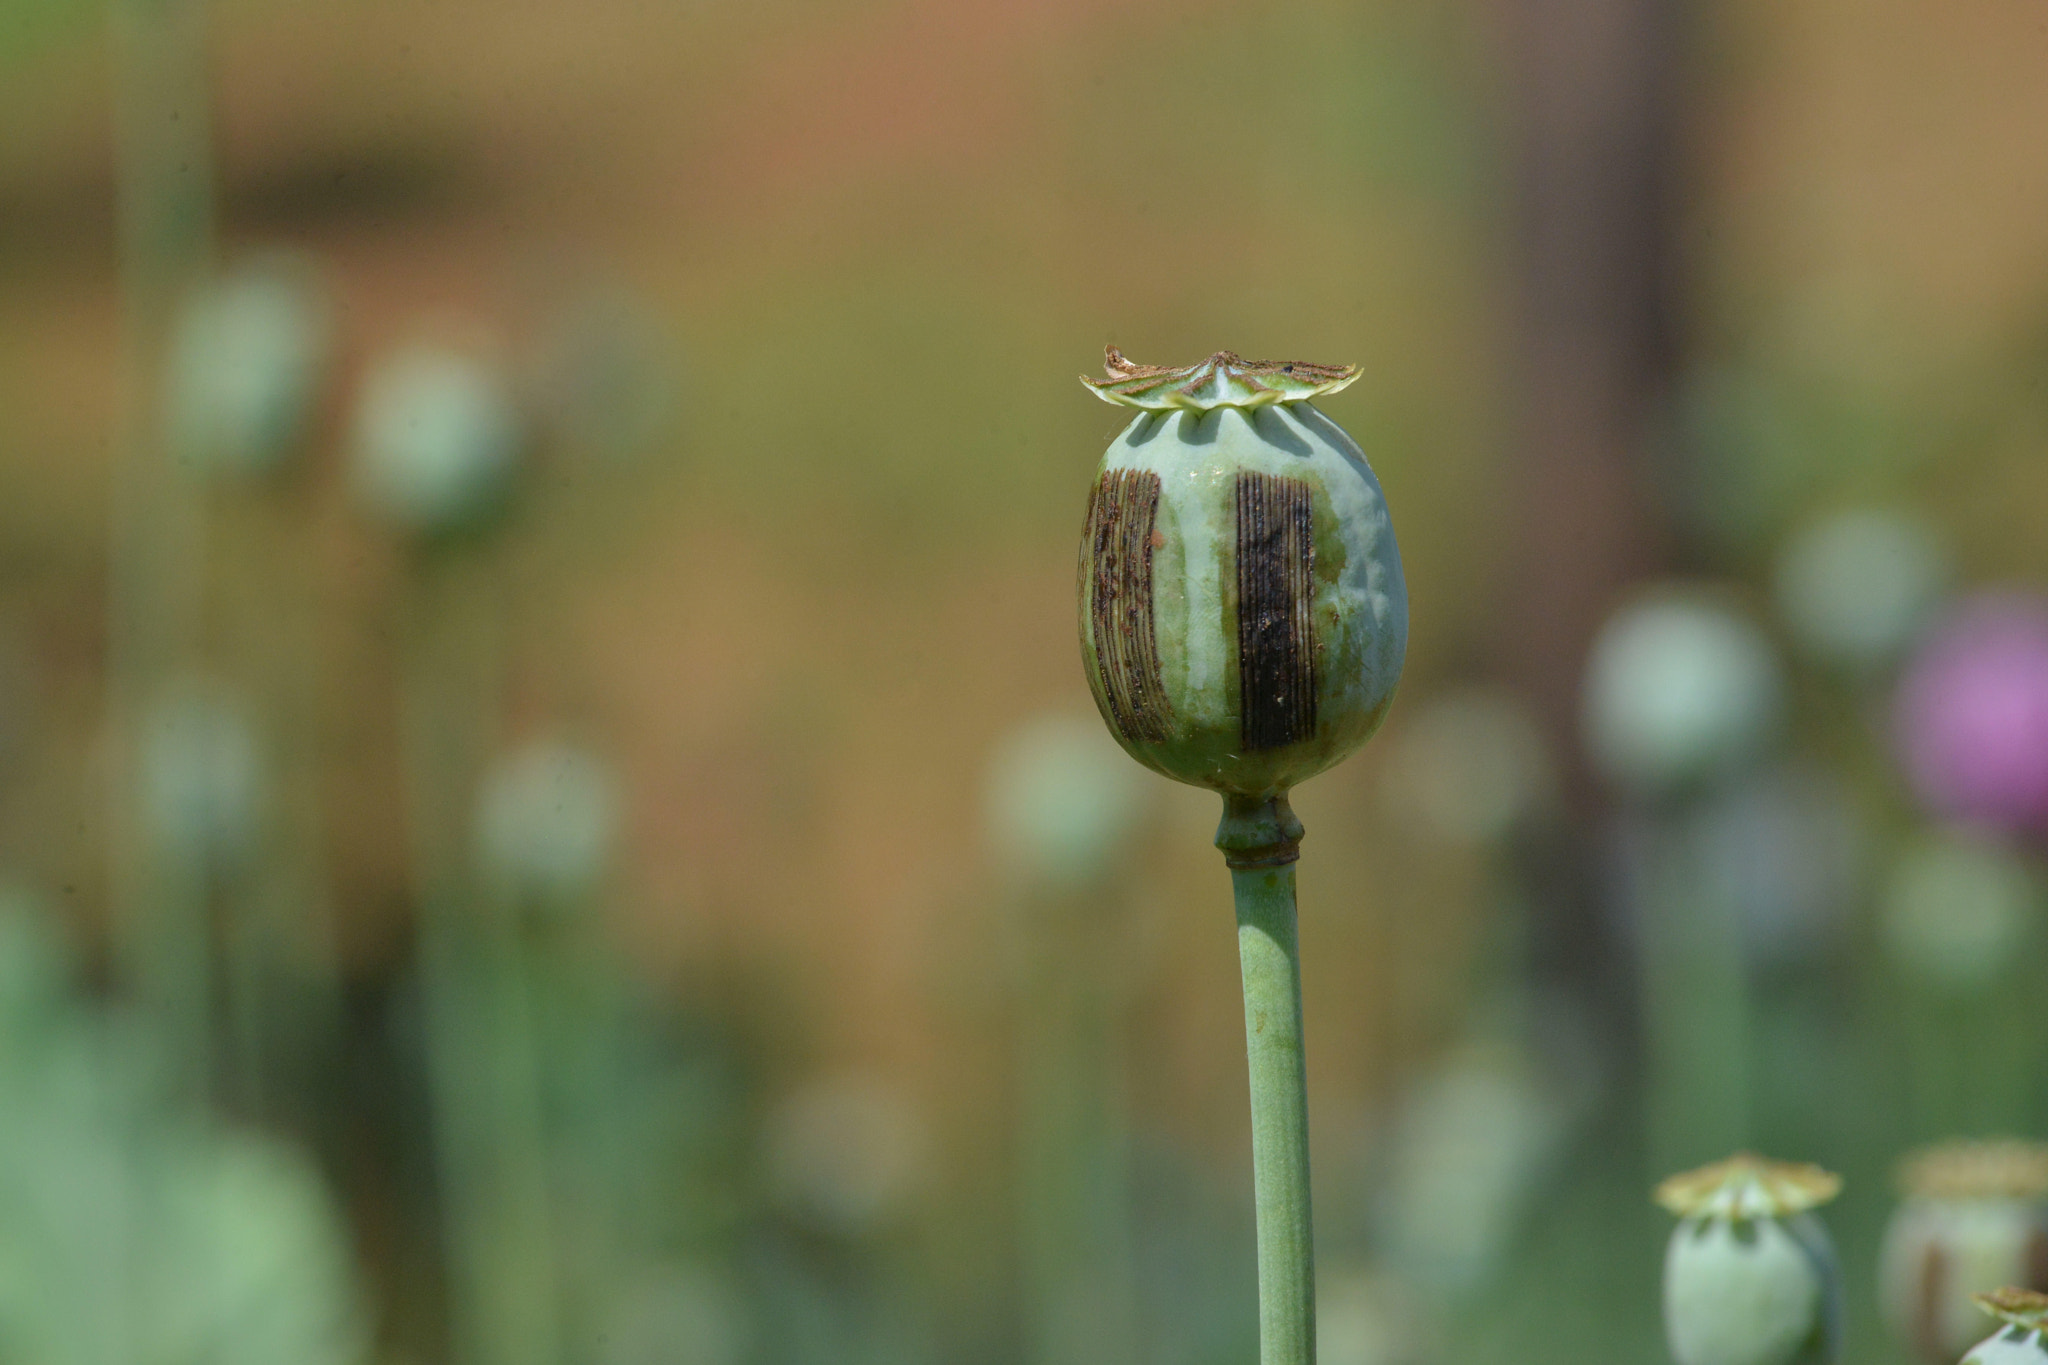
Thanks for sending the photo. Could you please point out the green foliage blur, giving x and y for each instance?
(548, 809)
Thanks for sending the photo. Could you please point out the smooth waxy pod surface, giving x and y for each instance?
(1749, 1274)
(1243, 612)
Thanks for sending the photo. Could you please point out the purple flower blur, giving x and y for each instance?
(1972, 713)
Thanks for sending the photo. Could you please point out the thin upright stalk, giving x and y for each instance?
(281, 969)
(481, 1064)
(1261, 840)
(1696, 1006)
(156, 531)
(156, 526)
(1076, 1209)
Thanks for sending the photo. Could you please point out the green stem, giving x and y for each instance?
(1696, 1006)
(481, 1067)
(156, 525)
(1260, 840)
(1075, 1211)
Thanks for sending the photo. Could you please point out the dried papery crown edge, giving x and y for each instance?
(1749, 1186)
(1224, 380)
(2004, 1168)
(2020, 1307)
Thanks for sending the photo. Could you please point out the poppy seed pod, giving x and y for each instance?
(1061, 804)
(1682, 691)
(437, 438)
(1855, 587)
(1959, 910)
(203, 783)
(1243, 614)
(546, 819)
(2022, 1314)
(1749, 1274)
(245, 366)
(1975, 1217)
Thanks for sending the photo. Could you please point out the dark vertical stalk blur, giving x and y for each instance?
(1596, 142)
(1596, 334)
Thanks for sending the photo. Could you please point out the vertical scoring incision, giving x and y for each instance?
(1122, 509)
(1276, 655)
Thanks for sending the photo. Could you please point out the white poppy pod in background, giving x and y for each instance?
(2022, 1314)
(1959, 908)
(1974, 1219)
(245, 365)
(1471, 764)
(437, 438)
(202, 776)
(846, 1153)
(1750, 1277)
(1681, 690)
(1475, 1140)
(1855, 588)
(1062, 800)
(546, 822)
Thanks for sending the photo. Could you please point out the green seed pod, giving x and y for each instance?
(1975, 1217)
(437, 439)
(846, 1154)
(1857, 586)
(1749, 1274)
(1682, 691)
(1959, 911)
(246, 364)
(2019, 1341)
(1061, 804)
(202, 776)
(1243, 614)
(546, 820)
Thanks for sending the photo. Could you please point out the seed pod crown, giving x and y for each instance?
(1225, 379)
(2016, 1307)
(2005, 1168)
(1748, 1186)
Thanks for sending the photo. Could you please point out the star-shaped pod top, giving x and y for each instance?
(1224, 380)
(2018, 1307)
(2003, 1169)
(1748, 1186)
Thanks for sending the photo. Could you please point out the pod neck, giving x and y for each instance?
(1258, 831)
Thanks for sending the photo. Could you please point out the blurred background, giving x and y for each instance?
(548, 808)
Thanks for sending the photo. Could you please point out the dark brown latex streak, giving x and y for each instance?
(1122, 510)
(1276, 656)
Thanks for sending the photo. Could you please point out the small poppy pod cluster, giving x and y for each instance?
(1750, 1277)
(1243, 612)
(1974, 1217)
